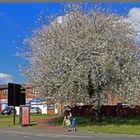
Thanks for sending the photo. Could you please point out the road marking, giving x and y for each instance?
(26, 137)
(13, 134)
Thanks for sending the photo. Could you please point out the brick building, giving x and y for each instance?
(31, 97)
(106, 99)
(4, 95)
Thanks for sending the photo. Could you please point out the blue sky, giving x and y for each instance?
(18, 19)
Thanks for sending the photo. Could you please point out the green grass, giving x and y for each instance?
(118, 125)
(7, 120)
(113, 129)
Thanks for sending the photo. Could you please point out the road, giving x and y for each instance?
(21, 135)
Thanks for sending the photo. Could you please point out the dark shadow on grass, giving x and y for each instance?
(30, 125)
(121, 121)
(33, 124)
(88, 121)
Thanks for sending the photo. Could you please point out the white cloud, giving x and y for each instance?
(61, 20)
(5, 78)
(134, 18)
(134, 14)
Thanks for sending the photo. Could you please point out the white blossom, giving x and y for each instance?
(82, 55)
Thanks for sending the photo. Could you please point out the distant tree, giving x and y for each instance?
(82, 54)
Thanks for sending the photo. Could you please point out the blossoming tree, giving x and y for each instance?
(81, 55)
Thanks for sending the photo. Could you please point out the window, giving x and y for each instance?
(5, 92)
(105, 98)
(50, 106)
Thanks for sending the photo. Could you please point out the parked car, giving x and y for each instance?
(123, 105)
(35, 110)
(8, 111)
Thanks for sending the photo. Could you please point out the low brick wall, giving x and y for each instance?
(50, 111)
(85, 110)
(107, 111)
(120, 111)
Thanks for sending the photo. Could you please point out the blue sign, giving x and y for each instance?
(38, 99)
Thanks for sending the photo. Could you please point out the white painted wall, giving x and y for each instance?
(56, 108)
(17, 109)
(42, 106)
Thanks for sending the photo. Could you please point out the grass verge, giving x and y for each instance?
(118, 125)
(7, 120)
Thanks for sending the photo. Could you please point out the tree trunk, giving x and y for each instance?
(94, 99)
(98, 116)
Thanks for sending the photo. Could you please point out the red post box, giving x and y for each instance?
(24, 115)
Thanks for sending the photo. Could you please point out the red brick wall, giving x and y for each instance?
(2, 96)
(112, 100)
(28, 94)
(50, 111)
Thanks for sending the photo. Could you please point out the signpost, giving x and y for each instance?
(16, 96)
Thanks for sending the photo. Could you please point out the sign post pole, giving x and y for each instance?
(16, 97)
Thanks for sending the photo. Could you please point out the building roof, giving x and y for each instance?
(3, 87)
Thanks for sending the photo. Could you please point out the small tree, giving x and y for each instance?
(82, 54)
